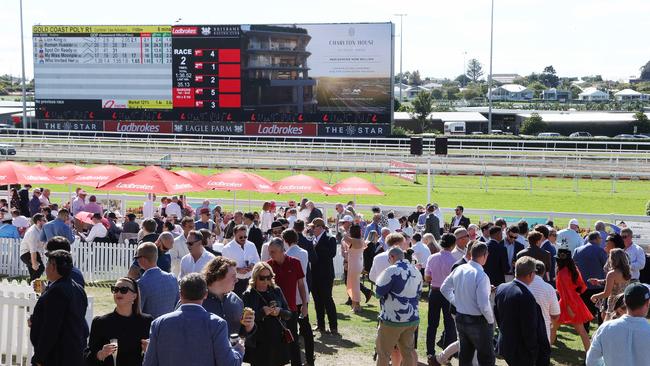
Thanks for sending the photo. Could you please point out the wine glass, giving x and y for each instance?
(113, 342)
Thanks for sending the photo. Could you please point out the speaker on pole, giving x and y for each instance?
(441, 145)
(416, 145)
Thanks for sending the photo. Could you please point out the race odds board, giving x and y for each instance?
(222, 73)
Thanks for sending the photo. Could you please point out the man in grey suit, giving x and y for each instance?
(431, 223)
(191, 336)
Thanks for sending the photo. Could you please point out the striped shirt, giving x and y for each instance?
(546, 299)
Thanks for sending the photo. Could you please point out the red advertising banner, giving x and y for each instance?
(138, 126)
(402, 170)
(282, 129)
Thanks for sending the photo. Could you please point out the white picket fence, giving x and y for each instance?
(17, 301)
(97, 261)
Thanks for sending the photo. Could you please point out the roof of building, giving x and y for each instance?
(446, 116)
(583, 117)
(625, 92)
(512, 88)
(592, 91)
(14, 104)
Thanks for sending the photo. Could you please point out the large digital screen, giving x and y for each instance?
(222, 73)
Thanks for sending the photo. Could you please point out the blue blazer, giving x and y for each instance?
(190, 336)
(522, 337)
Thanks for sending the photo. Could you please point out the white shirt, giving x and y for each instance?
(421, 253)
(265, 221)
(177, 252)
(456, 221)
(302, 255)
(622, 341)
(437, 213)
(394, 225)
(240, 255)
(20, 221)
(379, 264)
(44, 200)
(32, 243)
(458, 253)
(637, 260)
(546, 299)
(292, 220)
(97, 231)
(147, 209)
(188, 265)
(569, 238)
(468, 289)
(173, 209)
(304, 214)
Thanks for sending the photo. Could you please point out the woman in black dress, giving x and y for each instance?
(126, 324)
(268, 345)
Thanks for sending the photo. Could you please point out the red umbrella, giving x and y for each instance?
(65, 172)
(357, 186)
(303, 184)
(85, 217)
(97, 175)
(194, 177)
(16, 173)
(151, 179)
(41, 167)
(235, 180)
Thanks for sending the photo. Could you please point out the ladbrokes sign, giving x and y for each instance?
(282, 129)
(138, 127)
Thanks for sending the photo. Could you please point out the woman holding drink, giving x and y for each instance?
(126, 329)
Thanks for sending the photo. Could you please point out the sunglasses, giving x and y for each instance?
(190, 243)
(512, 237)
(242, 237)
(625, 236)
(277, 231)
(265, 278)
(123, 290)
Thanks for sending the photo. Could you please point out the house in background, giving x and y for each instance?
(511, 93)
(592, 94)
(505, 78)
(629, 95)
(556, 95)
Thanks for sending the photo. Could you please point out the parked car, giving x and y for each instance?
(6, 127)
(639, 136)
(477, 133)
(549, 134)
(580, 135)
(7, 150)
(497, 132)
(601, 137)
(624, 136)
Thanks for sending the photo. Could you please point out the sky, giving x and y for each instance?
(577, 37)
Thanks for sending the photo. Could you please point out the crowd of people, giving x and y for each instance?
(211, 287)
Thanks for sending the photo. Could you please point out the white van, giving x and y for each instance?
(454, 128)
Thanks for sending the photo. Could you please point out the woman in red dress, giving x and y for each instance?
(570, 285)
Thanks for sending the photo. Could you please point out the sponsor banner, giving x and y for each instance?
(402, 170)
(71, 125)
(354, 130)
(209, 128)
(138, 126)
(282, 129)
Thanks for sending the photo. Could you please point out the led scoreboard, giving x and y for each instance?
(220, 73)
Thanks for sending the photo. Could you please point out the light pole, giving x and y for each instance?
(401, 43)
(464, 67)
(490, 76)
(22, 56)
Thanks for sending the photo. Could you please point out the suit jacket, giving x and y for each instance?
(315, 213)
(307, 245)
(59, 329)
(496, 265)
(522, 337)
(537, 253)
(23, 202)
(432, 225)
(255, 236)
(325, 249)
(464, 221)
(190, 336)
(518, 248)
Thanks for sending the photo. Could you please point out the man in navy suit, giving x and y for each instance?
(308, 245)
(58, 325)
(323, 270)
(522, 337)
(496, 265)
(191, 336)
(512, 248)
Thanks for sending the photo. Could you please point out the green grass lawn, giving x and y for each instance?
(358, 331)
(506, 193)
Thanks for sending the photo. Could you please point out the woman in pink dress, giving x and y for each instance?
(355, 245)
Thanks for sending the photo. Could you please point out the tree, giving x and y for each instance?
(645, 71)
(414, 78)
(470, 93)
(422, 107)
(641, 122)
(548, 77)
(436, 94)
(396, 105)
(533, 125)
(474, 70)
(451, 93)
(462, 80)
(537, 87)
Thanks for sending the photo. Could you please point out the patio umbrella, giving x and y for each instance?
(65, 172)
(97, 175)
(16, 173)
(236, 180)
(85, 217)
(41, 167)
(303, 184)
(151, 179)
(357, 186)
(194, 177)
